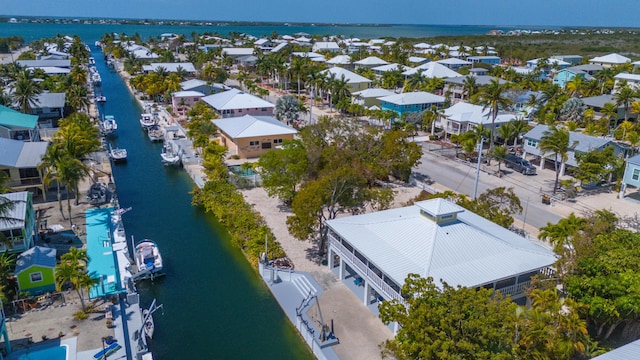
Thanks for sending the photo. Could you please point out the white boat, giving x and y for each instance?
(148, 258)
(149, 326)
(100, 98)
(169, 155)
(92, 61)
(98, 193)
(118, 154)
(108, 126)
(147, 120)
(155, 133)
(96, 79)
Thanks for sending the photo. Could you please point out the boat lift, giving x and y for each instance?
(140, 333)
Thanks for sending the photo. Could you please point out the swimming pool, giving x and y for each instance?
(51, 353)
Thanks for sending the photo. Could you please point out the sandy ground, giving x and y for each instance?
(9, 58)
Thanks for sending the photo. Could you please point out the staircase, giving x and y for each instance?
(303, 285)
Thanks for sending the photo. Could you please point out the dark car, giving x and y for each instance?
(519, 164)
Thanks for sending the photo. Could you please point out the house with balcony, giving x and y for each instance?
(455, 85)
(609, 60)
(18, 126)
(182, 101)
(411, 102)
(434, 238)
(632, 80)
(236, 103)
(463, 117)
(49, 108)
(35, 271)
(251, 136)
(20, 160)
(354, 81)
(631, 174)
(21, 231)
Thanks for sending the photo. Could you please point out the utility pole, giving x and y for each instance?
(475, 183)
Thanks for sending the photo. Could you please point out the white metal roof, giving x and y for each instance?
(238, 51)
(252, 126)
(190, 84)
(21, 154)
(469, 251)
(349, 76)
(187, 93)
(170, 67)
(18, 213)
(235, 99)
(432, 70)
(453, 61)
(626, 352)
(373, 93)
(371, 61)
(390, 67)
(340, 60)
(611, 59)
(627, 76)
(464, 112)
(416, 97)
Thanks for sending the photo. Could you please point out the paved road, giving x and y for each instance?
(460, 177)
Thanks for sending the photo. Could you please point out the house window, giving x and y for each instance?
(36, 277)
(532, 142)
(266, 145)
(254, 143)
(636, 174)
(277, 141)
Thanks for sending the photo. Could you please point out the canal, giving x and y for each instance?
(215, 306)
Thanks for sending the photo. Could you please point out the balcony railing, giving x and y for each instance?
(515, 290)
(364, 271)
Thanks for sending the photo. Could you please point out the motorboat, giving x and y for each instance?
(155, 133)
(92, 60)
(100, 98)
(108, 126)
(148, 258)
(118, 154)
(169, 155)
(96, 79)
(98, 193)
(147, 120)
(149, 326)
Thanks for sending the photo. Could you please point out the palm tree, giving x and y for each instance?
(492, 98)
(339, 90)
(6, 206)
(25, 93)
(414, 82)
(556, 140)
(50, 163)
(635, 109)
(76, 256)
(500, 153)
(469, 86)
(74, 274)
(76, 97)
(624, 96)
(72, 171)
(507, 132)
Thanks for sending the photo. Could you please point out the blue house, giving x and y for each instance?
(565, 75)
(491, 60)
(411, 102)
(631, 174)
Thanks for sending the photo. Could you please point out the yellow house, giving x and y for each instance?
(354, 81)
(251, 136)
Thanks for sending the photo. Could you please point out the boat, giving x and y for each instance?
(147, 120)
(149, 326)
(91, 60)
(169, 155)
(96, 79)
(100, 98)
(108, 126)
(118, 154)
(98, 193)
(155, 133)
(148, 258)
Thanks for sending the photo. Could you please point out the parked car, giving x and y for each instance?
(519, 164)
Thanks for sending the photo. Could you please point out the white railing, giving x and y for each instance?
(514, 290)
(368, 275)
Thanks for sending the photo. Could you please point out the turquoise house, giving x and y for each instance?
(21, 230)
(411, 102)
(632, 172)
(34, 270)
(565, 75)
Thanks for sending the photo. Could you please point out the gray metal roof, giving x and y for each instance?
(626, 352)
(598, 101)
(37, 255)
(50, 100)
(469, 251)
(635, 160)
(21, 154)
(585, 143)
(236, 99)
(45, 63)
(18, 213)
(252, 126)
(481, 80)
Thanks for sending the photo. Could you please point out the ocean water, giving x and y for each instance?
(91, 32)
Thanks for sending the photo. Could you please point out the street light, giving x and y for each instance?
(475, 183)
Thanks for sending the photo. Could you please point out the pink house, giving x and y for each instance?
(182, 101)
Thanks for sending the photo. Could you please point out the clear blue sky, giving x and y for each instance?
(597, 13)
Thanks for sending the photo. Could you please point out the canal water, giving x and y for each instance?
(215, 307)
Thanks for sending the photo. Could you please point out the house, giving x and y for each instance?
(455, 85)
(203, 86)
(141, 52)
(478, 71)
(463, 117)
(279, 47)
(432, 70)
(20, 160)
(370, 97)
(434, 238)
(379, 70)
(263, 44)
(370, 62)
(235, 103)
(330, 46)
(417, 60)
(182, 101)
(609, 60)
(453, 63)
(237, 52)
(486, 59)
(18, 126)
(341, 60)
(170, 67)
(36, 64)
(571, 59)
(35, 271)
(411, 102)
(598, 102)
(633, 80)
(251, 136)
(631, 174)
(49, 108)
(551, 63)
(578, 142)
(628, 351)
(21, 230)
(562, 77)
(354, 81)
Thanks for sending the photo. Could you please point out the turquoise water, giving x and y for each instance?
(52, 353)
(93, 32)
(102, 264)
(238, 170)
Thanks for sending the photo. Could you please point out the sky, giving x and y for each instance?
(595, 13)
